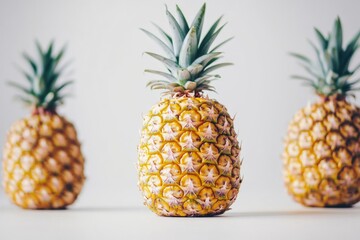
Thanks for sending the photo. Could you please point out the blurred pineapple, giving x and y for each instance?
(322, 147)
(43, 166)
(189, 155)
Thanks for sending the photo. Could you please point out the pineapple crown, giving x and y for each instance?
(189, 59)
(43, 93)
(330, 74)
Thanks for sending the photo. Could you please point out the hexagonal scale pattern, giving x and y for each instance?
(189, 158)
(43, 165)
(322, 155)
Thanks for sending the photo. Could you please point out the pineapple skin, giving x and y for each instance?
(322, 154)
(43, 166)
(189, 158)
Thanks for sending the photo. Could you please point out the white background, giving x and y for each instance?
(109, 96)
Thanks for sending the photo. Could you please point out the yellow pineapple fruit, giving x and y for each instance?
(43, 166)
(189, 155)
(322, 147)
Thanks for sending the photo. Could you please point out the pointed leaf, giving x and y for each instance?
(302, 78)
(31, 62)
(39, 48)
(27, 101)
(152, 82)
(213, 61)
(349, 51)
(173, 66)
(62, 86)
(51, 81)
(64, 66)
(49, 51)
(353, 42)
(201, 79)
(189, 48)
(21, 88)
(28, 77)
(313, 72)
(313, 85)
(166, 75)
(159, 87)
(336, 36)
(210, 32)
(322, 40)
(342, 80)
(178, 34)
(199, 21)
(205, 79)
(220, 45)
(335, 60)
(59, 56)
(301, 57)
(167, 50)
(206, 87)
(164, 34)
(182, 20)
(38, 85)
(217, 66)
(356, 81)
(203, 60)
(206, 45)
(354, 89)
(324, 66)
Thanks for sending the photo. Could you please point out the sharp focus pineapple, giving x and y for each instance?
(189, 155)
(322, 147)
(43, 167)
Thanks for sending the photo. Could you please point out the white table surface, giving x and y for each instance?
(290, 222)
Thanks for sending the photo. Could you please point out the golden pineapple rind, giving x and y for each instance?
(43, 165)
(322, 155)
(189, 158)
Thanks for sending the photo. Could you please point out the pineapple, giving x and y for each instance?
(43, 166)
(189, 155)
(322, 147)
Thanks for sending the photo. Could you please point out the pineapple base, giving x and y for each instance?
(205, 215)
(43, 165)
(189, 158)
(322, 155)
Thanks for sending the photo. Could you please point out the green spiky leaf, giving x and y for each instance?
(210, 32)
(44, 87)
(221, 44)
(198, 21)
(182, 20)
(166, 61)
(178, 34)
(163, 74)
(167, 50)
(188, 59)
(336, 36)
(215, 67)
(331, 68)
(204, 59)
(166, 36)
(189, 48)
(204, 48)
(322, 40)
